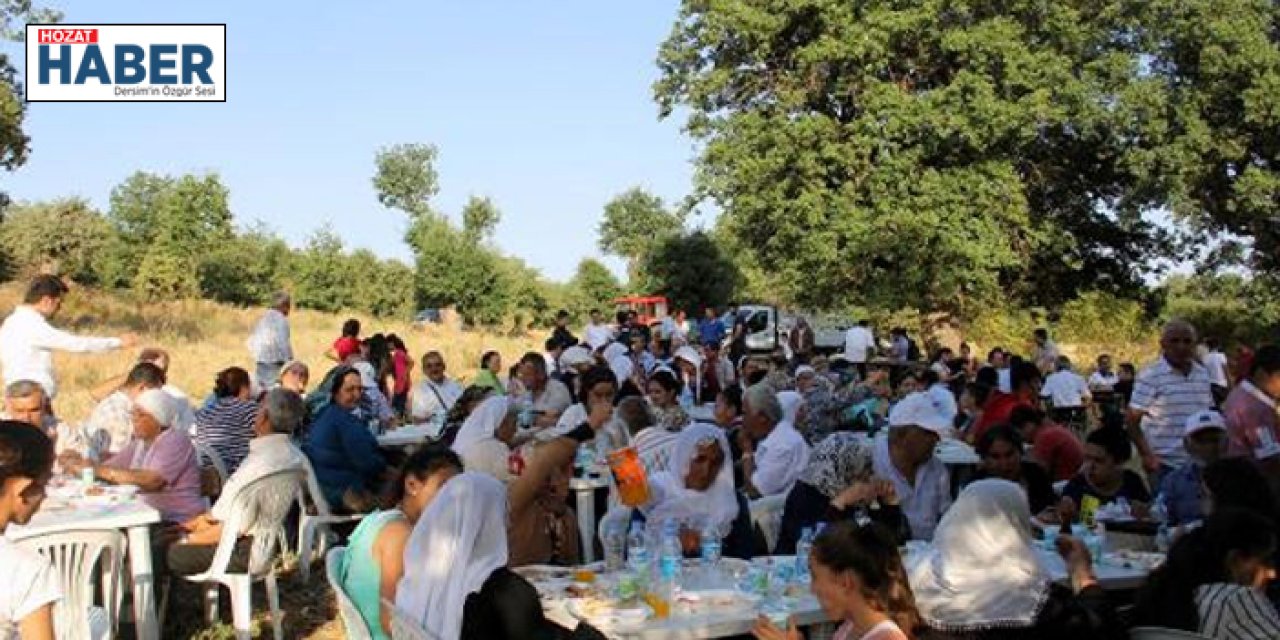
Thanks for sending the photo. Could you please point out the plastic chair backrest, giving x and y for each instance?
(353, 623)
(1161, 633)
(258, 510)
(766, 513)
(313, 491)
(74, 555)
(205, 453)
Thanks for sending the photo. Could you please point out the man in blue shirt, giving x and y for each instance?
(1206, 441)
(711, 331)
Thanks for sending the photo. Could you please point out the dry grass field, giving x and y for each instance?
(204, 337)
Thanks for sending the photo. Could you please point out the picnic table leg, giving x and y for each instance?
(587, 523)
(144, 608)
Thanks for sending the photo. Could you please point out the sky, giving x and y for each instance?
(546, 107)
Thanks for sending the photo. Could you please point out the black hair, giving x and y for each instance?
(396, 343)
(339, 375)
(1128, 368)
(351, 328)
(987, 380)
(992, 353)
(145, 373)
(471, 394)
(422, 464)
(1199, 558)
(756, 377)
(230, 381)
(535, 360)
(1238, 483)
(562, 314)
(1041, 333)
(732, 395)
(44, 286)
(667, 380)
(1023, 374)
(24, 452)
(1266, 360)
(551, 344)
(1113, 440)
(484, 359)
(870, 553)
(597, 374)
(999, 433)
(929, 377)
(1022, 415)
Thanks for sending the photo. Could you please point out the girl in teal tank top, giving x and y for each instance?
(360, 573)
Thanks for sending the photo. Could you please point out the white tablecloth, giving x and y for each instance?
(407, 436)
(130, 515)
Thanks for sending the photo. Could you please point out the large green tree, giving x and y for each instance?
(593, 286)
(692, 272)
(937, 154)
(405, 178)
(14, 14)
(634, 222)
(480, 217)
(65, 236)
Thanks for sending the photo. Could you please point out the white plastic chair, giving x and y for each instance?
(259, 510)
(1161, 633)
(205, 453)
(315, 525)
(352, 622)
(404, 627)
(74, 555)
(766, 514)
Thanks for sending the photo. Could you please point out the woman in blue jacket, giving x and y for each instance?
(342, 450)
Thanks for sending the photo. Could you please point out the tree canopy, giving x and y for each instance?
(14, 14)
(634, 223)
(692, 272)
(945, 154)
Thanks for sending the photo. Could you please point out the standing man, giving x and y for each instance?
(801, 340)
(561, 334)
(1045, 354)
(270, 343)
(1165, 395)
(712, 329)
(1068, 395)
(859, 344)
(598, 333)
(27, 341)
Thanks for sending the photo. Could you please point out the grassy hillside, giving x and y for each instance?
(204, 337)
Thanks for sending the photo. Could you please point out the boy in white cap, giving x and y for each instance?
(1205, 438)
(905, 458)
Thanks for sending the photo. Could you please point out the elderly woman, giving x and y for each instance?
(342, 450)
(838, 485)
(697, 491)
(484, 442)
(294, 376)
(983, 580)
(160, 460)
(824, 411)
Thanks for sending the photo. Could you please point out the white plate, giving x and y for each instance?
(718, 599)
(609, 618)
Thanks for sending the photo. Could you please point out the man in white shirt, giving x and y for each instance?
(1104, 379)
(270, 451)
(859, 345)
(771, 467)
(598, 333)
(436, 393)
(24, 401)
(1068, 394)
(548, 398)
(906, 458)
(1215, 362)
(27, 341)
(1165, 394)
(1045, 354)
(270, 344)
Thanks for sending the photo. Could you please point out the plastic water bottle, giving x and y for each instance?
(803, 547)
(668, 571)
(711, 546)
(615, 547)
(637, 549)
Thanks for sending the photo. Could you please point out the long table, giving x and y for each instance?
(132, 516)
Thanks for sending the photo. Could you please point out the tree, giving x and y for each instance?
(247, 268)
(382, 288)
(593, 287)
(13, 142)
(479, 218)
(453, 270)
(943, 155)
(406, 178)
(63, 236)
(692, 272)
(634, 222)
(321, 278)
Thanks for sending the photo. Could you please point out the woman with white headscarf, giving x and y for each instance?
(456, 583)
(837, 484)
(983, 579)
(698, 493)
(484, 440)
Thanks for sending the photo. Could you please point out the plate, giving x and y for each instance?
(605, 615)
(718, 599)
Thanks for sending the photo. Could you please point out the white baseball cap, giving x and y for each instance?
(1202, 420)
(919, 410)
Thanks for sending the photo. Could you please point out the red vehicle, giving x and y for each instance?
(649, 309)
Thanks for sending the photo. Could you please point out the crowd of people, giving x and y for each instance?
(846, 445)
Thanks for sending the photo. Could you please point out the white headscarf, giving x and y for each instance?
(483, 422)
(981, 572)
(159, 404)
(791, 403)
(622, 368)
(574, 356)
(837, 462)
(614, 350)
(455, 546)
(718, 505)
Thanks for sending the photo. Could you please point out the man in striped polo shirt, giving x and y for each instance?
(1165, 394)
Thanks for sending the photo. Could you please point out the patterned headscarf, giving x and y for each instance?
(837, 461)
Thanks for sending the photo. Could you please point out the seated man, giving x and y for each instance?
(1055, 447)
(114, 414)
(1068, 393)
(1181, 490)
(906, 458)
(25, 401)
(269, 451)
(769, 432)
